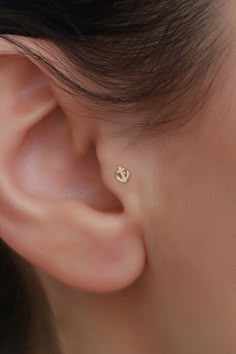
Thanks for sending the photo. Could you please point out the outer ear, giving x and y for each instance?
(56, 211)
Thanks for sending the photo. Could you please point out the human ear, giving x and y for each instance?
(56, 209)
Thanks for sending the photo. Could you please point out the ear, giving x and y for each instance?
(57, 209)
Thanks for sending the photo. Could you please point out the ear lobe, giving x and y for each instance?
(55, 210)
(104, 252)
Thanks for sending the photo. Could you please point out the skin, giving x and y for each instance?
(184, 301)
(150, 266)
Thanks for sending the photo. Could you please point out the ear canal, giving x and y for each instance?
(56, 211)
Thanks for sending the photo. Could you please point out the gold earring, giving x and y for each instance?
(123, 175)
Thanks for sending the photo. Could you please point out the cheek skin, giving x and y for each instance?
(193, 248)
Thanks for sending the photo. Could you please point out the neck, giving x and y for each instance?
(102, 324)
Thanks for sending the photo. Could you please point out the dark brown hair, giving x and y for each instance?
(159, 56)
